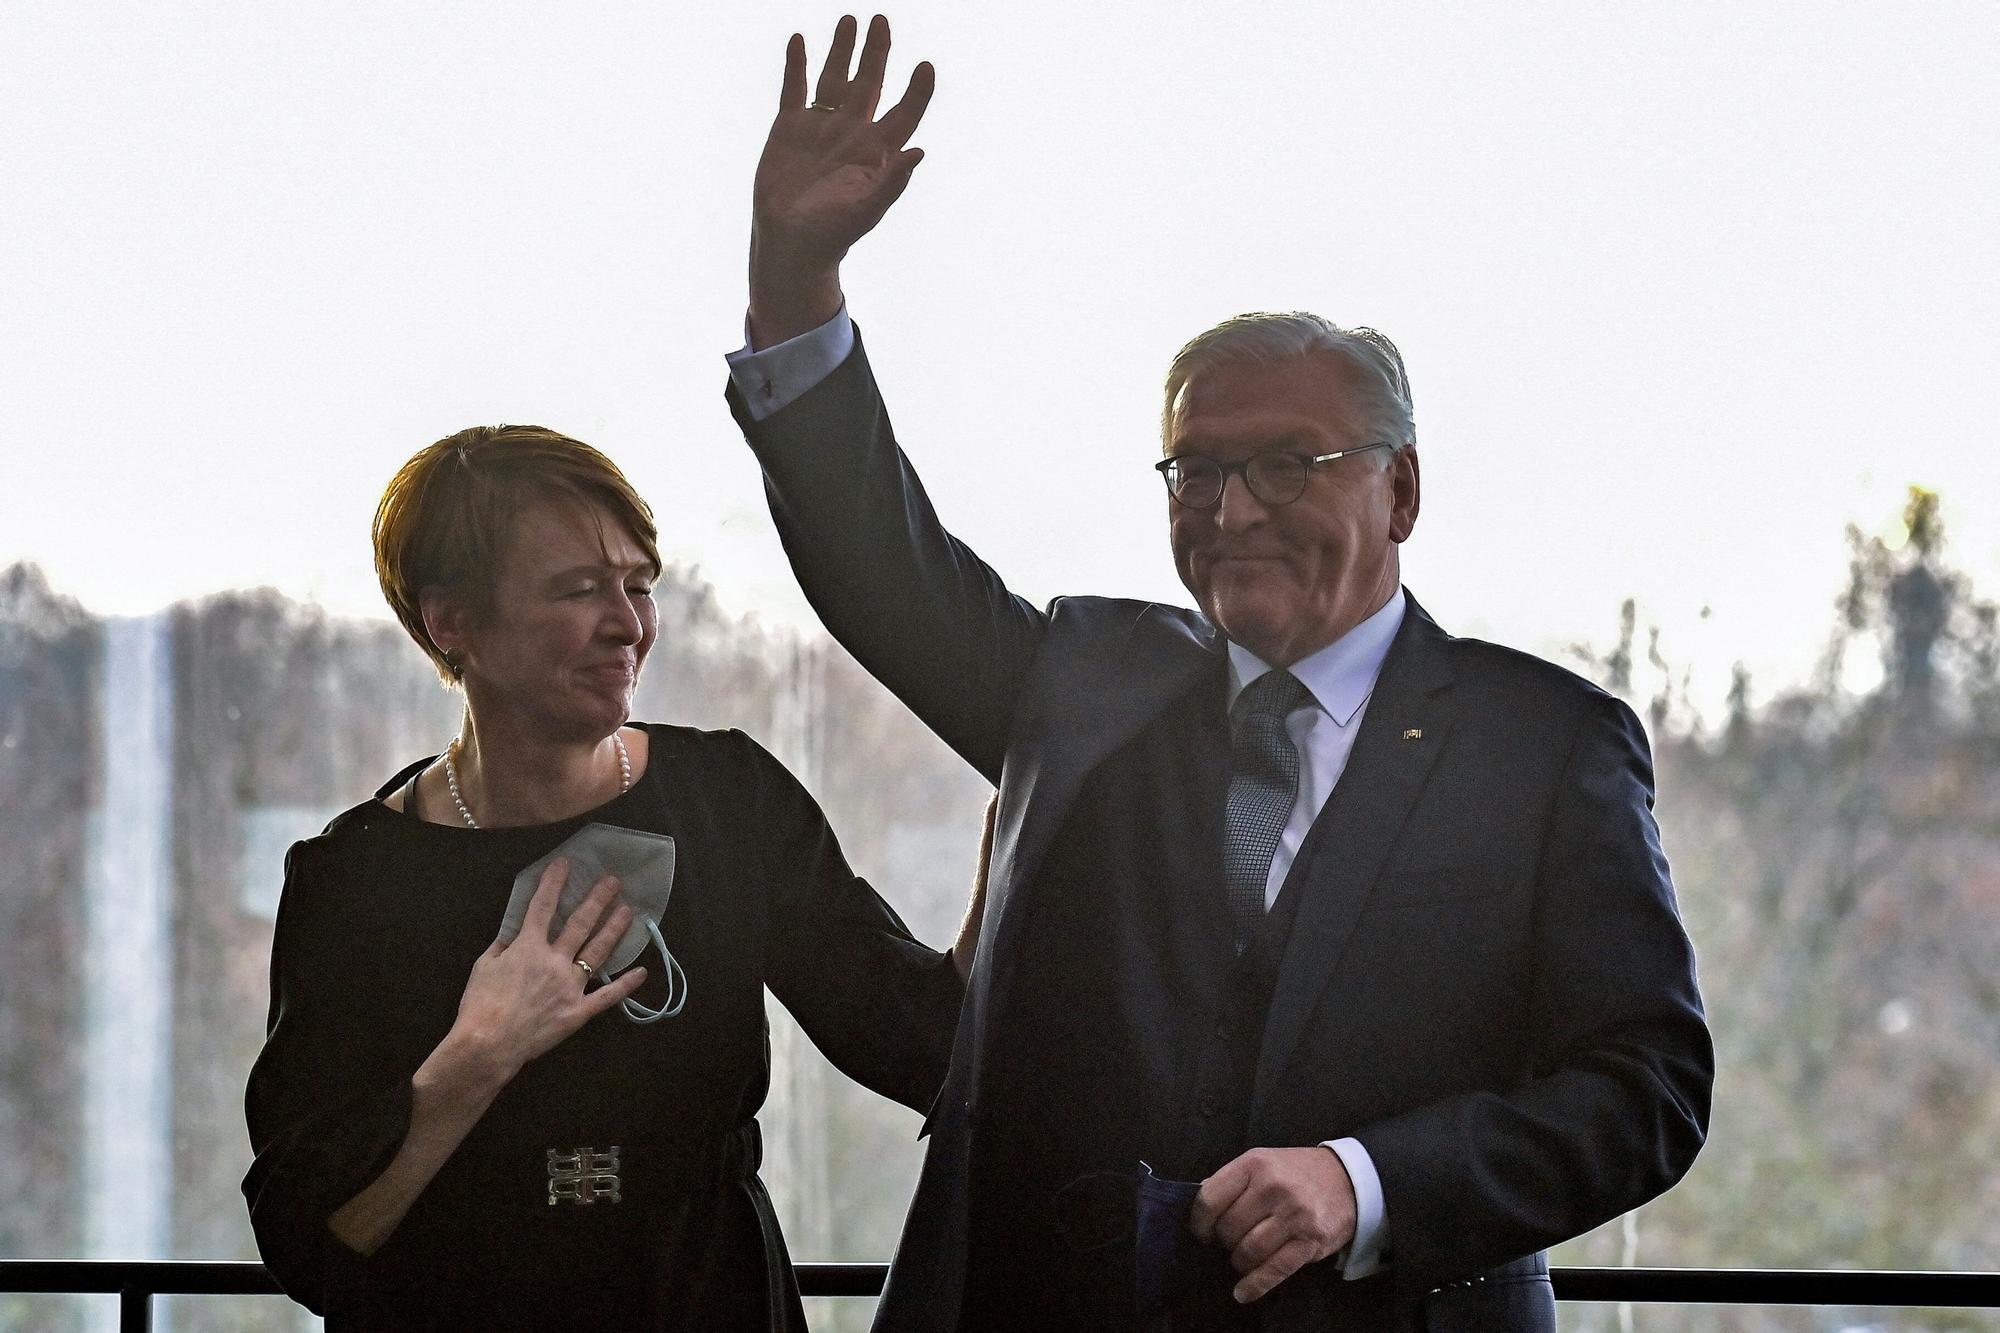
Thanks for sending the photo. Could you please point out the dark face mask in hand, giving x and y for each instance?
(1107, 1210)
(644, 864)
(1167, 1251)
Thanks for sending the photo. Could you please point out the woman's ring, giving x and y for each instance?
(588, 970)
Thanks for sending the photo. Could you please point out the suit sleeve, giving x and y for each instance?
(319, 1140)
(877, 1003)
(1617, 1103)
(770, 380)
(915, 606)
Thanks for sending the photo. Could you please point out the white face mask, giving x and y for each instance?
(644, 864)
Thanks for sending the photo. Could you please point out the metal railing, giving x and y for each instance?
(136, 1283)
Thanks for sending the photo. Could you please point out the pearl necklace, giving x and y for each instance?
(451, 776)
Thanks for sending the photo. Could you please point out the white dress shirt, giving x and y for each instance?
(1339, 676)
(774, 378)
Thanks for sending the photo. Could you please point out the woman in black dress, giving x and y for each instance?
(451, 1132)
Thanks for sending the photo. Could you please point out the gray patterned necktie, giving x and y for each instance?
(1263, 785)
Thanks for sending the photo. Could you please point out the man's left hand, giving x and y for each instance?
(1276, 1210)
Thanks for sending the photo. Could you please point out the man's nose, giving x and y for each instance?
(1238, 510)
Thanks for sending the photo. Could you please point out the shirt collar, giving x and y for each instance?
(1341, 675)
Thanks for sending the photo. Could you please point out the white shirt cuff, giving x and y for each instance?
(1371, 1222)
(778, 376)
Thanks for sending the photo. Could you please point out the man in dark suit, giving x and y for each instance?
(1363, 927)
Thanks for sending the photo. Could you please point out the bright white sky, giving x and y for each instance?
(1683, 289)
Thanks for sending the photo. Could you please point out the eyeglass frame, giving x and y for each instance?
(1242, 469)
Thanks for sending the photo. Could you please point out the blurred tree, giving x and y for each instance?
(1838, 861)
(49, 650)
(1837, 855)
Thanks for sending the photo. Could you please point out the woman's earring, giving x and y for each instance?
(451, 661)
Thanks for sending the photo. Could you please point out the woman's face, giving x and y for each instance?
(571, 622)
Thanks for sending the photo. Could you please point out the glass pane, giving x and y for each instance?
(232, 1314)
(59, 1314)
(221, 732)
(1603, 1318)
(840, 1314)
(1845, 949)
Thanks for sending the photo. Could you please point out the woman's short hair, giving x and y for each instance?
(445, 519)
(1266, 337)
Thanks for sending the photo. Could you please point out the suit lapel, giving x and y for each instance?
(1404, 730)
(1097, 708)
(1080, 717)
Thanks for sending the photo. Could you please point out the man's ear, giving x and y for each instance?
(1406, 492)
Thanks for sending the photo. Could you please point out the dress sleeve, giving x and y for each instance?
(879, 1004)
(318, 1136)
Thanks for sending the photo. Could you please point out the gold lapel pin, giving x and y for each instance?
(1414, 734)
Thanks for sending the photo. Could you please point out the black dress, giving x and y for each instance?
(381, 920)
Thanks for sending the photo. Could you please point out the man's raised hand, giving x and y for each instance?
(828, 173)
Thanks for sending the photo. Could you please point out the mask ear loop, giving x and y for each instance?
(677, 984)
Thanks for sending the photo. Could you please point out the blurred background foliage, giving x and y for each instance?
(1836, 849)
(1837, 856)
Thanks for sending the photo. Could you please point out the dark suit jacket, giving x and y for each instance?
(1487, 982)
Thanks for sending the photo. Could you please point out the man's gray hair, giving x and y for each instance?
(1266, 337)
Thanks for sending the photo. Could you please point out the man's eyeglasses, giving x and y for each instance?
(1276, 478)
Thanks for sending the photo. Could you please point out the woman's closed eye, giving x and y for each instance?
(634, 591)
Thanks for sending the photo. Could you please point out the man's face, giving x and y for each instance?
(1286, 580)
